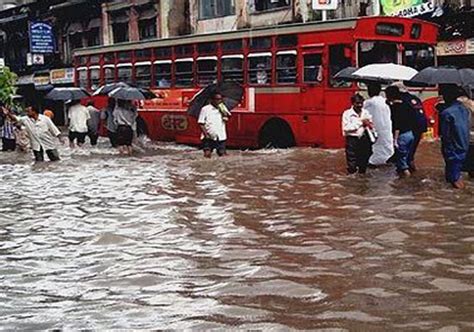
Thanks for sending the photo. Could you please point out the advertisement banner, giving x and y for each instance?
(406, 8)
(325, 4)
(41, 38)
(455, 47)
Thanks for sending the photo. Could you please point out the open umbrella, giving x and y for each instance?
(104, 90)
(148, 94)
(445, 75)
(127, 93)
(347, 74)
(232, 93)
(386, 71)
(67, 94)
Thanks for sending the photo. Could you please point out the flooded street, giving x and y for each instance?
(270, 239)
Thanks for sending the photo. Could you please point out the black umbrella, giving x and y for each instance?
(445, 75)
(148, 94)
(231, 92)
(67, 94)
(127, 93)
(104, 90)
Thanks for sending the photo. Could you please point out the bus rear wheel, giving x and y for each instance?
(276, 133)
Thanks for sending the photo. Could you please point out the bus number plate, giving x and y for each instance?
(174, 122)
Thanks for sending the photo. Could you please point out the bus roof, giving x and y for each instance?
(350, 23)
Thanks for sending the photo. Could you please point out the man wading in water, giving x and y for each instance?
(212, 122)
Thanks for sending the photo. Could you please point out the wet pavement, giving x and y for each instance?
(271, 239)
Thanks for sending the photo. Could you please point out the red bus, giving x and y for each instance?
(291, 97)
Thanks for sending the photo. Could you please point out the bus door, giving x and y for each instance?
(312, 96)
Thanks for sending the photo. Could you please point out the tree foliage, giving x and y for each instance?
(7, 85)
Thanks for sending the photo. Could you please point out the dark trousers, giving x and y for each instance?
(469, 162)
(211, 145)
(53, 155)
(358, 152)
(93, 136)
(8, 144)
(112, 137)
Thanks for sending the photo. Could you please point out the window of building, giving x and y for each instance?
(94, 59)
(163, 73)
(75, 41)
(81, 60)
(184, 72)
(207, 48)
(163, 52)
(232, 45)
(339, 58)
(184, 49)
(286, 67)
(143, 75)
(82, 78)
(147, 28)
(109, 75)
(124, 74)
(215, 8)
(206, 70)
(120, 32)
(313, 69)
(109, 57)
(95, 77)
(124, 56)
(233, 68)
(260, 68)
(261, 43)
(93, 37)
(262, 5)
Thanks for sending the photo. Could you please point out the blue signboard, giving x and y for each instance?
(41, 38)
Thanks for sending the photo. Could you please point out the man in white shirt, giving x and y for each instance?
(213, 127)
(356, 121)
(78, 116)
(42, 132)
(377, 106)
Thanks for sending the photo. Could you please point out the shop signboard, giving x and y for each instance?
(41, 38)
(406, 8)
(325, 4)
(62, 76)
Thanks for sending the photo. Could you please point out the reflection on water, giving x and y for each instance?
(260, 239)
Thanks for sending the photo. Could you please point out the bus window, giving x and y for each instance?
(82, 77)
(260, 43)
(124, 56)
(207, 48)
(286, 67)
(95, 77)
(313, 69)
(287, 41)
(124, 73)
(233, 68)
(206, 70)
(95, 59)
(143, 53)
(418, 56)
(184, 50)
(232, 45)
(377, 52)
(163, 52)
(143, 74)
(338, 60)
(82, 60)
(260, 68)
(163, 73)
(109, 74)
(109, 57)
(184, 72)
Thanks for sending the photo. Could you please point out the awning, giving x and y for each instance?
(25, 80)
(13, 18)
(75, 27)
(148, 14)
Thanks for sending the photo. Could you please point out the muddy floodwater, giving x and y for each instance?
(270, 239)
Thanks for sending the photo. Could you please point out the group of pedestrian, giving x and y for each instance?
(399, 123)
(83, 121)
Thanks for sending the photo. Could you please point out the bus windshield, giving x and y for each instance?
(377, 52)
(418, 56)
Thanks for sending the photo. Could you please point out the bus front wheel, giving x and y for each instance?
(276, 133)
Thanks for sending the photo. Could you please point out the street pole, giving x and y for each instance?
(324, 15)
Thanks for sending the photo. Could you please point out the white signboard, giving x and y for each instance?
(325, 4)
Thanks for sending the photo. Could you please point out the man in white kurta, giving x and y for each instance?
(376, 105)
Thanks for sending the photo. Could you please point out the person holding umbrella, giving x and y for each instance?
(125, 117)
(213, 127)
(454, 131)
(42, 132)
